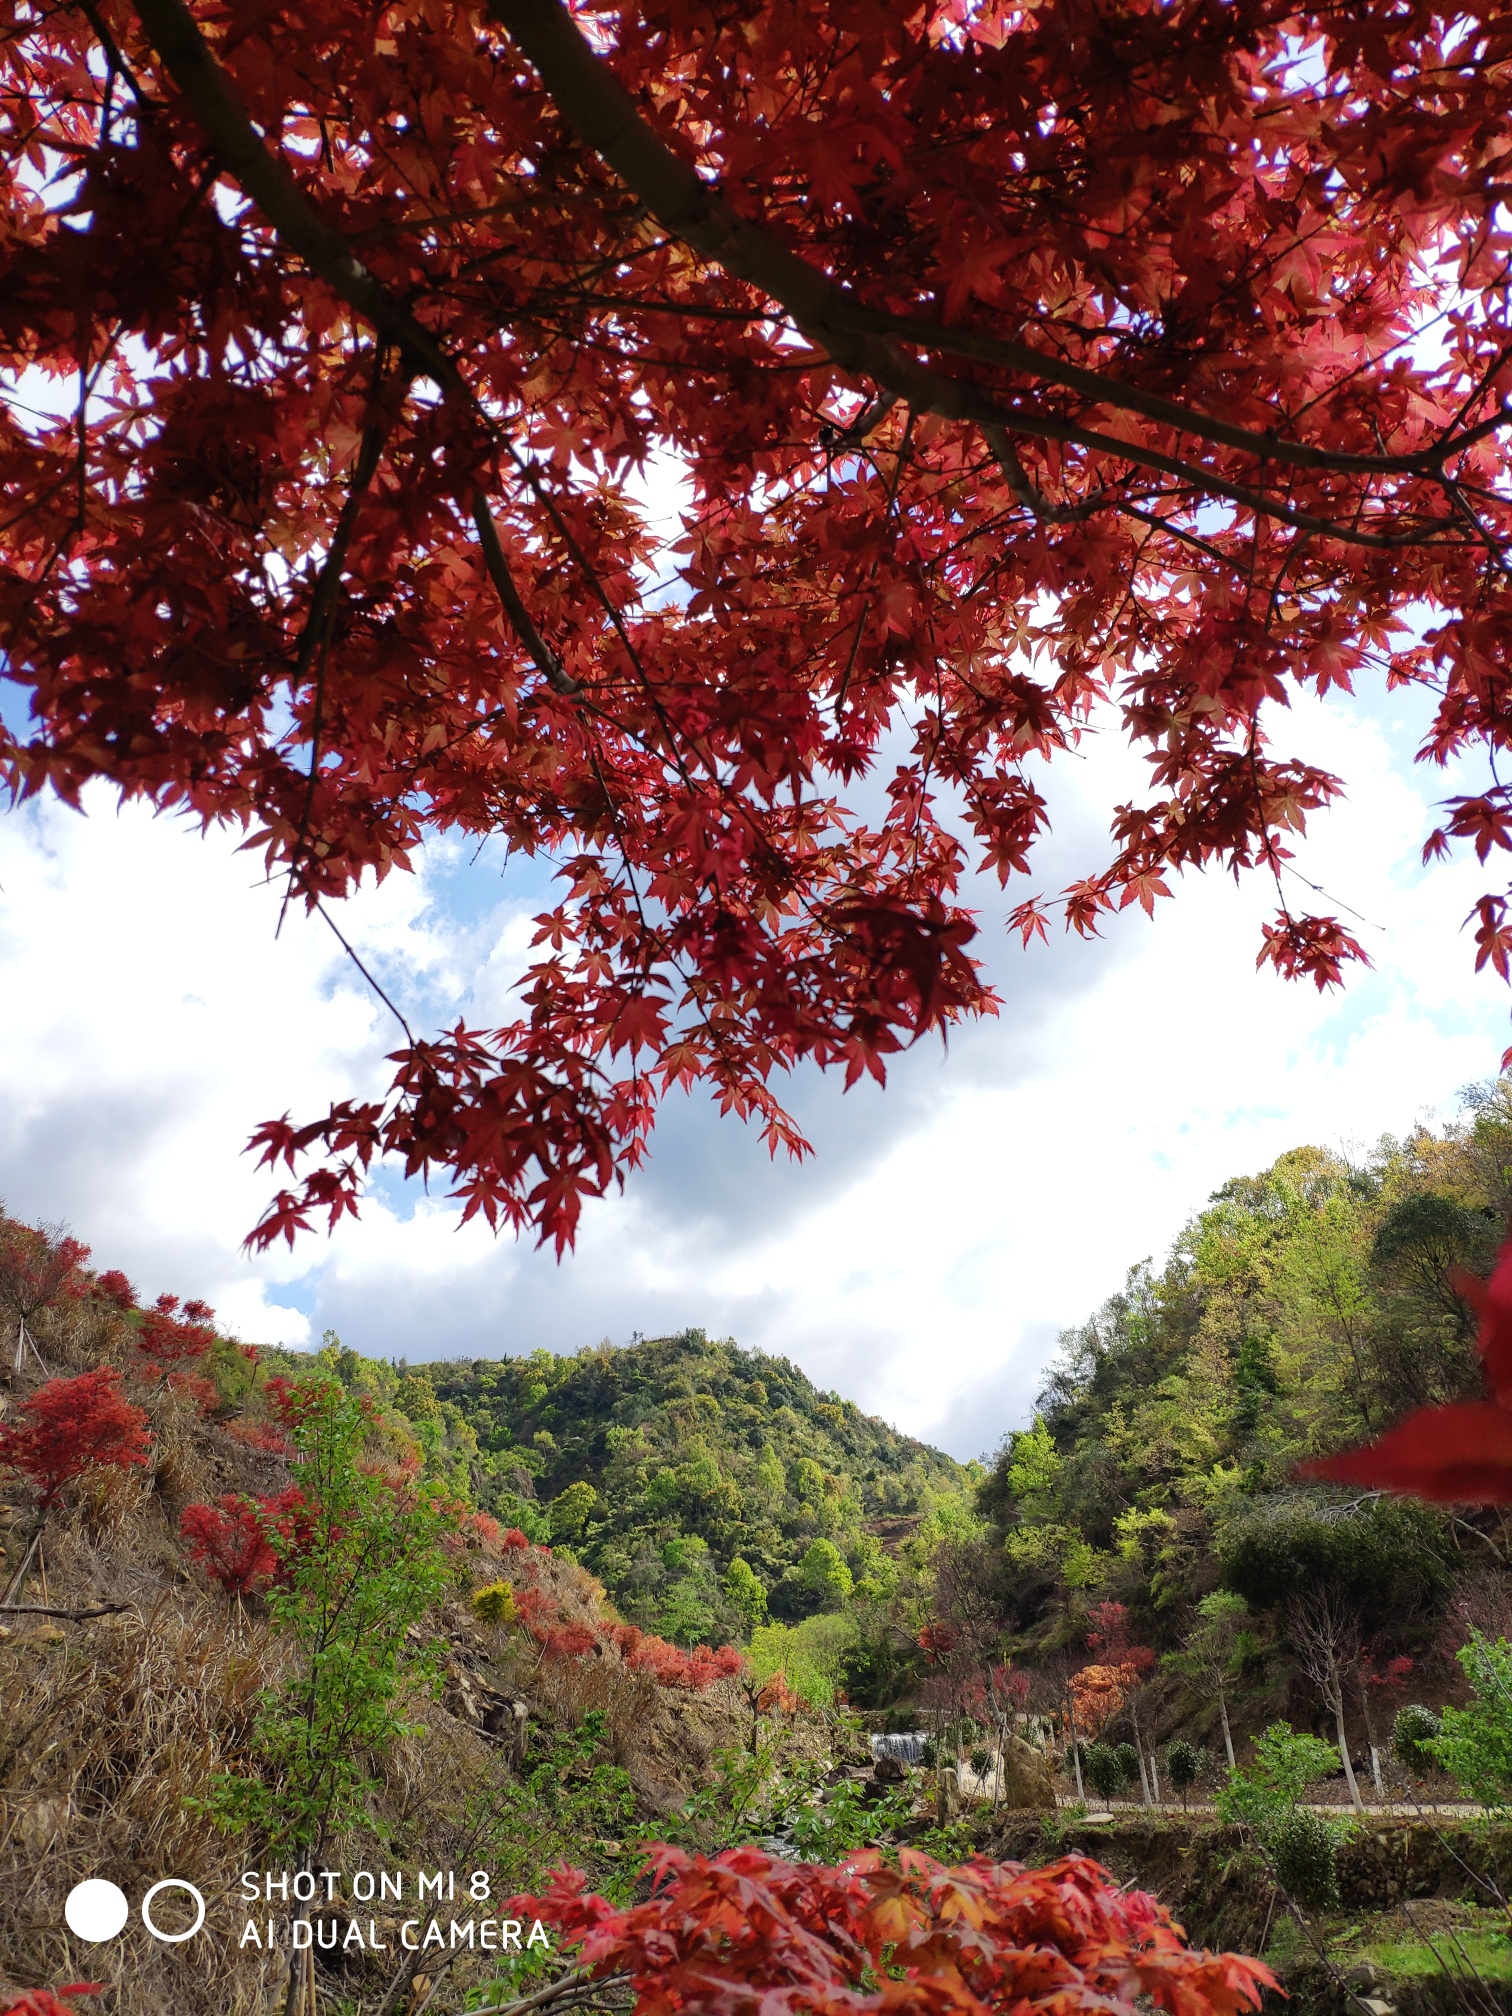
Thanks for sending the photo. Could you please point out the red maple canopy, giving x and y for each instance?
(1019, 359)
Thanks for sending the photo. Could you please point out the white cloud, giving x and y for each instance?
(945, 1231)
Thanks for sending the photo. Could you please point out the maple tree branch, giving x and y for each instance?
(113, 57)
(595, 103)
(546, 661)
(241, 150)
(1109, 391)
(1022, 486)
(239, 147)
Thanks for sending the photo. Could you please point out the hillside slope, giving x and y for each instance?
(1306, 1308)
(175, 1602)
(663, 1463)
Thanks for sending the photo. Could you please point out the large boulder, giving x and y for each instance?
(1028, 1780)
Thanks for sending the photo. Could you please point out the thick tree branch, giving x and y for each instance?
(593, 101)
(239, 146)
(68, 1616)
(596, 104)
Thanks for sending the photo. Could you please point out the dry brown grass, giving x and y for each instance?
(113, 1729)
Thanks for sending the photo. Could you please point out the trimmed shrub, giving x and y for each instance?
(1414, 1729)
(1184, 1762)
(1105, 1769)
(1302, 1849)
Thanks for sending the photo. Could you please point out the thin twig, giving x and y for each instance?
(558, 1991)
(346, 947)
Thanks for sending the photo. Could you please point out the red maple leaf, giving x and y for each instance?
(1460, 1454)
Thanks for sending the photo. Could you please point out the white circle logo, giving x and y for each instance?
(95, 1910)
(173, 1883)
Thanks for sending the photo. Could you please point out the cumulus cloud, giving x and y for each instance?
(925, 1258)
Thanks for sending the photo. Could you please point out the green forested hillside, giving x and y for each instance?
(706, 1486)
(1304, 1309)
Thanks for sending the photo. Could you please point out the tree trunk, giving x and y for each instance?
(1337, 1704)
(1370, 1740)
(1075, 1751)
(1154, 1778)
(18, 1580)
(1228, 1741)
(1139, 1752)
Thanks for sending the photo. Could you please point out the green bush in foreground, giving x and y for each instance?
(362, 1561)
(1474, 1743)
(1300, 1846)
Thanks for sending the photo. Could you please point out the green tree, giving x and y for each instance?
(362, 1563)
(1413, 1730)
(825, 1574)
(572, 1509)
(1474, 1743)
(1209, 1652)
(1300, 1846)
(1184, 1762)
(1286, 1762)
(1107, 1772)
(745, 1594)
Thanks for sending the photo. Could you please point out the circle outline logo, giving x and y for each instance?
(172, 1883)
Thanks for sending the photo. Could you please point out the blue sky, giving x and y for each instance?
(946, 1229)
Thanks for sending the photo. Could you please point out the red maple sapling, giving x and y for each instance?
(71, 1426)
(229, 1540)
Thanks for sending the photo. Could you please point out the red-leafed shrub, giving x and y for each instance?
(38, 1267)
(194, 1386)
(169, 1339)
(470, 1531)
(775, 1697)
(745, 1932)
(706, 1667)
(229, 1540)
(537, 1611)
(569, 1641)
(45, 2001)
(291, 1518)
(261, 1436)
(936, 1641)
(69, 1426)
(112, 1286)
(514, 1541)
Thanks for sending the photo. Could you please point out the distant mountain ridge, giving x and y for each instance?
(667, 1463)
